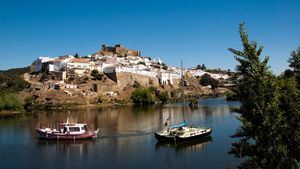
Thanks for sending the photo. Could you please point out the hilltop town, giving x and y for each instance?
(110, 75)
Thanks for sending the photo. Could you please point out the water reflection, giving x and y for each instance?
(130, 121)
(126, 140)
(194, 145)
(67, 147)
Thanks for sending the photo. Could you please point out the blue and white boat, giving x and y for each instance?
(182, 132)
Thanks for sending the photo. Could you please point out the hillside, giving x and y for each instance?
(108, 76)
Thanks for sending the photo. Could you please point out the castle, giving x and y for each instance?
(118, 50)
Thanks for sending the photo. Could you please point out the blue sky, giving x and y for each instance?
(194, 31)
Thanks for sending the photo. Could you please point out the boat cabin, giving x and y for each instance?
(73, 128)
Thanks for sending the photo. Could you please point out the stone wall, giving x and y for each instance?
(120, 50)
(125, 79)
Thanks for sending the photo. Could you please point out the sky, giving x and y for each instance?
(194, 31)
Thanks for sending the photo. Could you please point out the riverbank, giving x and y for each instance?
(5, 114)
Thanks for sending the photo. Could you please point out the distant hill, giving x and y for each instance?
(15, 71)
(11, 80)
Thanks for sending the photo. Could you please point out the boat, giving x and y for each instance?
(182, 132)
(67, 131)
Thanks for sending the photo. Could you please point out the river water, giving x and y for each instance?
(126, 140)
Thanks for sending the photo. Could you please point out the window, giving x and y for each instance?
(72, 129)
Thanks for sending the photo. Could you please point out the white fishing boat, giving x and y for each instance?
(67, 131)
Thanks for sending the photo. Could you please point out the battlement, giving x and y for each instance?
(119, 50)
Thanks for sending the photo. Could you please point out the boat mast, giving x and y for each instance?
(182, 92)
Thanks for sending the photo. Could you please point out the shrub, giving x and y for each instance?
(231, 96)
(163, 97)
(142, 96)
(99, 100)
(206, 80)
(143, 63)
(152, 89)
(71, 79)
(164, 66)
(29, 103)
(10, 101)
(97, 76)
(136, 84)
(193, 104)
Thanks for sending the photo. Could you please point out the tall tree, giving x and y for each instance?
(294, 61)
(264, 123)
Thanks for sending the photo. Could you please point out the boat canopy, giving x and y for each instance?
(180, 125)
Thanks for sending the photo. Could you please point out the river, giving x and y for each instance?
(126, 139)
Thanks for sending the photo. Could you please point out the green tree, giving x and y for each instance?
(76, 55)
(136, 84)
(142, 96)
(164, 66)
(10, 101)
(203, 67)
(263, 111)
(231, 96)
(294, 61)
(288, 136)
(96, 75)
(163, 97)
(206, 80)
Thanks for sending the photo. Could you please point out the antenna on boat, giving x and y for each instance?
(68, 117)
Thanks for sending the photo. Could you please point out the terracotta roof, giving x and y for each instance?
(59, 59)
(79, 60)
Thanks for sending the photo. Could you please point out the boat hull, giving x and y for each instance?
(177, 139)
(63, 136)
(164, 138)
(184, 139)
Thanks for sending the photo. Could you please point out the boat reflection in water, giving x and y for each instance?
(77, 149)
(196, 144)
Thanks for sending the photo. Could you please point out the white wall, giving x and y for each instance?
(38, 63)
(167, 78)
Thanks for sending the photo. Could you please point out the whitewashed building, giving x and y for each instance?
(58, 65)
(199, 73)
(38, 64)
(167, 78)
(70, 86)
(78, 63)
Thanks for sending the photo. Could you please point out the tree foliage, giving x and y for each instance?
(163, 97)
(12, 83)
(206, 80)
(164, 66)
(294, 61)
(76, 55)
(269, 111)
(202, 67)
(10, 101)
(142, 96)
(231, 96)
(96, 75)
